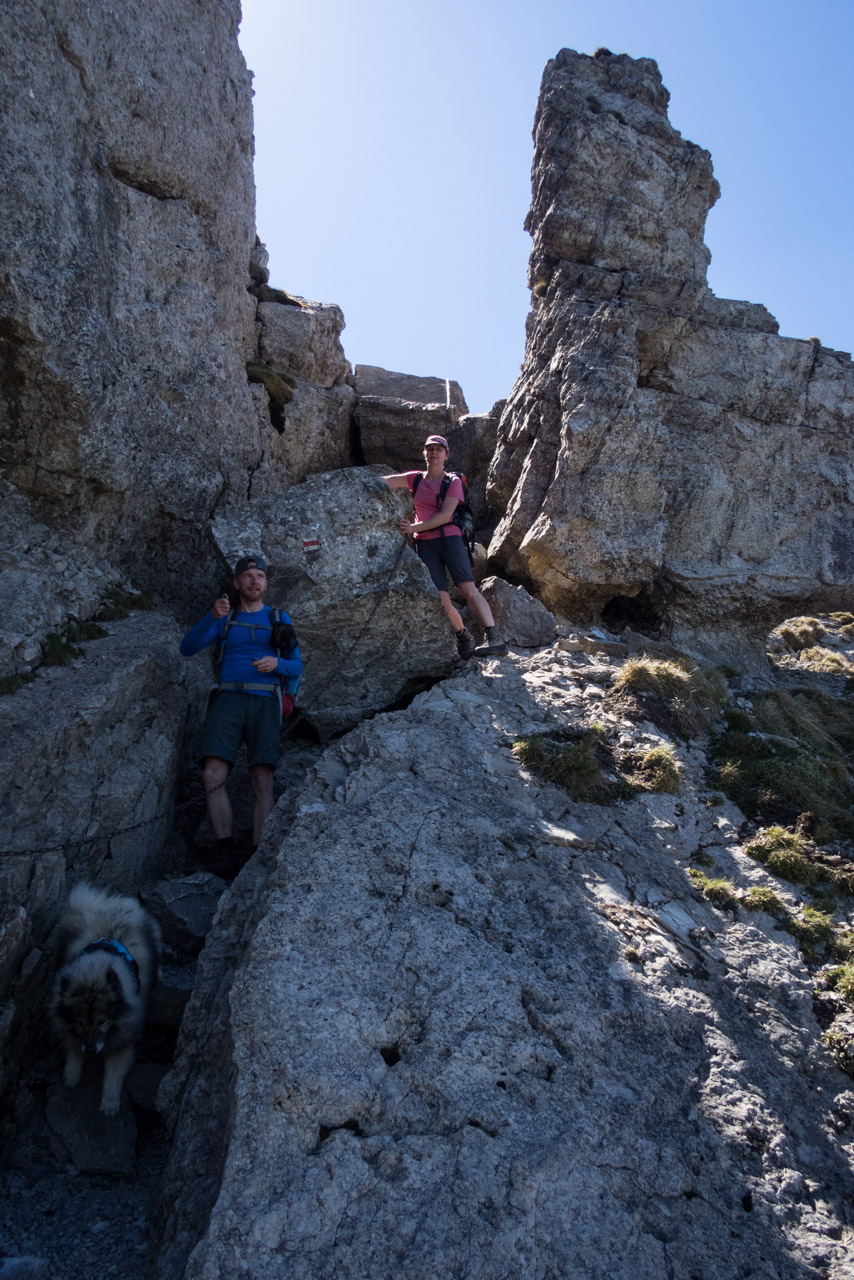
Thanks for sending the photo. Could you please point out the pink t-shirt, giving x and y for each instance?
(425, 503)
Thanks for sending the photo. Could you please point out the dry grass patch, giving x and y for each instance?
(800, 633)
(658, 771)
(818, 658)
(582, 763)
(674, 694)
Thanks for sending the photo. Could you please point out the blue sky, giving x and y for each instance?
(393, 160)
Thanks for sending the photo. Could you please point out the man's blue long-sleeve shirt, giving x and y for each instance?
(242, 644)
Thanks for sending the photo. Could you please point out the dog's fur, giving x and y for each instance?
(96, 1005)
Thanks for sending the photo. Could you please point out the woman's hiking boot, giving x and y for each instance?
(465, 644)
(493, 646)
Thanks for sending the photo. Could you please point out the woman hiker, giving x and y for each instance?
(439, 543)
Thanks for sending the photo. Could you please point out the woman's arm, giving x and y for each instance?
(441, 517)
(396, 482)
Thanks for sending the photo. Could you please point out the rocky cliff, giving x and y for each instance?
(664, 455)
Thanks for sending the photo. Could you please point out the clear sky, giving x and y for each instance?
(393, 159)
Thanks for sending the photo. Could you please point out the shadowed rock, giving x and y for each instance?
(95, 1143)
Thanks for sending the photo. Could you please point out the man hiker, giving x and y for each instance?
(440, 544)
(254, 651)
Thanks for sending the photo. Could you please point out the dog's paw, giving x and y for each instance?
(72, 1073)
(110, 1105)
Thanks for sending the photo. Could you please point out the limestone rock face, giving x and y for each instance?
(448, 1014)
(369, 622)
(396, 412)
(663, 449)
(126, 225)
(304, 340)
(300, 344)
(107, 761)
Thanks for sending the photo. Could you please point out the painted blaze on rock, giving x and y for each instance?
(663, 450)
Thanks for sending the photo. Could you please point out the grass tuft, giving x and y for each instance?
(11, 684)
(82, 631)
(800, 633)
(759, 898)
(673, 693)
(802, 767)
(577, 764)
(57, 652)
(785, 854)
(719, 891)
(841, 1047)
(812, 931)
(659, 771)
(841, 979)
(820, 659)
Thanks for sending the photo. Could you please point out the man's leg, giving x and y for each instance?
(262, 785)
(214, 773)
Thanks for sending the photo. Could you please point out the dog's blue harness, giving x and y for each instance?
(115, 948)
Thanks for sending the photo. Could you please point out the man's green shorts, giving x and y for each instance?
(233, 717)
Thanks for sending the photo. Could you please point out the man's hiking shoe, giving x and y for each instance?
(494, 644)
(465, 644)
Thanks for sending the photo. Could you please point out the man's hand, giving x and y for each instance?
(265, 665)
(220, 607)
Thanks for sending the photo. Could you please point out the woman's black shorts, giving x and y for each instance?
(441, 554)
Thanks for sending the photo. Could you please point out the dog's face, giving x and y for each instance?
(88, 1009)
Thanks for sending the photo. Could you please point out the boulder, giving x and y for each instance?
(646, 455)
(461, 1016)
(184, 908)
(478, 433)
(88, 761)
(311, 434)
(369, 622)
(396, 412)
(520, 618)
(304, 339)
